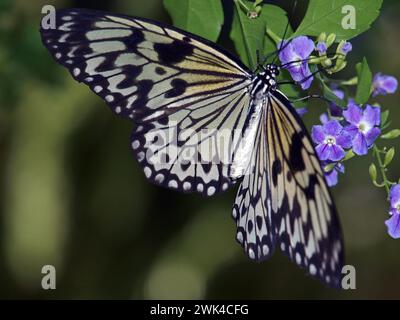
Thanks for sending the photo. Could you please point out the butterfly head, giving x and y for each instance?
(265, 81)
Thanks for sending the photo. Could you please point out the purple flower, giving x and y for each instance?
(331, 140)
(302, 111)
(324, 118)
(393, 223)
(363, 126)
(298, 49)
(383, 84)
(333, 175)
(336, 111)
(321, 47)
(346, 48)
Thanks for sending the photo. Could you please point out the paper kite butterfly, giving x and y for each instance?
(182, 92)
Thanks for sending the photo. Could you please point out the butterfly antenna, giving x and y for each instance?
(281, 45)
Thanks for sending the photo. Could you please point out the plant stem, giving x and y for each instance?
(241, 3)
(377, 153)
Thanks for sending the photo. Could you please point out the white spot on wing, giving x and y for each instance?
(187, 185)
(239, 237)
(210, 191)
(313, 269)
(159, 178)
(173, 184)
(147, 172)
(135, 144)
(200, 187)
(252, 254)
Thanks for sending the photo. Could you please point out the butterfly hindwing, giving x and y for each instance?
(192, 148)
(303, 211)
(251, 210)
(297, 213)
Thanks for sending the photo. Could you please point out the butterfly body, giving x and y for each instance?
(204, 122)
(265, 81)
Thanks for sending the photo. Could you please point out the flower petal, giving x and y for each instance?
(303, 46)
(384, 84)
(371, 135)
(351, 129)
(338, 93)
(324, 118)
(360, 144)
(333, 127)
(372, 115)
(346, 48)
(393, 226)
(287, 53)
(302, 111)
(323, 151)
(394, 195)
(301, 72)
(318, 134)
(353, 114)
(337, 153)
(321, 47)
(344, 140)
(332, 178)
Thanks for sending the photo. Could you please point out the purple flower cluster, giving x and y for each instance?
(358, 131)
(393, 223)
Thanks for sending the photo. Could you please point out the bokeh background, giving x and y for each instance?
(73, 196)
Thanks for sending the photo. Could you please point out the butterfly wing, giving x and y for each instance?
(252, 211)
(298, 214)
(180, 89)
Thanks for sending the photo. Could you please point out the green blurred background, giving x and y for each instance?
(73, 196)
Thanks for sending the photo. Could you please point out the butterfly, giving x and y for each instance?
(204, 122)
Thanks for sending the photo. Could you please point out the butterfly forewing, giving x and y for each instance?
(180, 89)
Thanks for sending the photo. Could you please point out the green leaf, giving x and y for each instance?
(388, 157)
(349, 154)
(202, 17)
(372, 172)
(328, 94)
(384, 117)
(393, 134)
(329, 167)
(249, 35)
(326, 16)
(276, 19)
(290, 90)
(364, 82)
